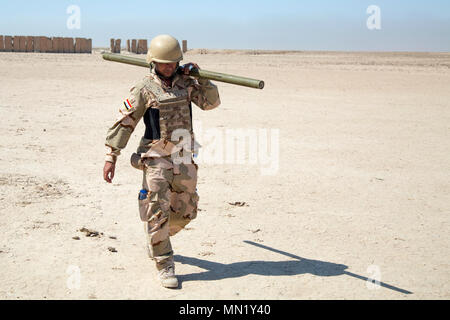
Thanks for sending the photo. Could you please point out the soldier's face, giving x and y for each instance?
(166, 69)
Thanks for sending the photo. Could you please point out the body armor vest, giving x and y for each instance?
(171, 112)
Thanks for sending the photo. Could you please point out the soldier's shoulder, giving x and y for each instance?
(142, 86)
(141, 83)
(148, 83)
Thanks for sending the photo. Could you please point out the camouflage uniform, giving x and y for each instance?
(172, 198)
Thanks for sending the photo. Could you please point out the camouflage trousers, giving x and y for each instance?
(170, 205)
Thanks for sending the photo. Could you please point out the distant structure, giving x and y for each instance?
(45, 44)
(142, 47)
(115, 45)
(138, 46)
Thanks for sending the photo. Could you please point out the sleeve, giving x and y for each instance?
(205, 94)
(131, 111)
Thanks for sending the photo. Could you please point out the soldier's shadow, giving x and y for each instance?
(219, 271)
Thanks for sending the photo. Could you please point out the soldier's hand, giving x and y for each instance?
(188, 66)
(108, 171)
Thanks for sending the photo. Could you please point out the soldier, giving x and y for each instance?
(168, 199)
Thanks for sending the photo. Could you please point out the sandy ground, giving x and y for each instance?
(362, 186)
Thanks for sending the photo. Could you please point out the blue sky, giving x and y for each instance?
(406, 25)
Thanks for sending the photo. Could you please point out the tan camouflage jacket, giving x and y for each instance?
(201, 92)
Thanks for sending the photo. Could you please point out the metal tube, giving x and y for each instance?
(211, 75)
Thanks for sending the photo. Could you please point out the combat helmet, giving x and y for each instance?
(164, 49)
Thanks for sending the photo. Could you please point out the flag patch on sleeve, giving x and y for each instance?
(128, 105)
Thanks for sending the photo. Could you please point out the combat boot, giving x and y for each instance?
(166, 274)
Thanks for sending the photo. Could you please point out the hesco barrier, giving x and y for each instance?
(138, 46)
(45, 44)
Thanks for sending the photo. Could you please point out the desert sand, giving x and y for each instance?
(361, 187)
